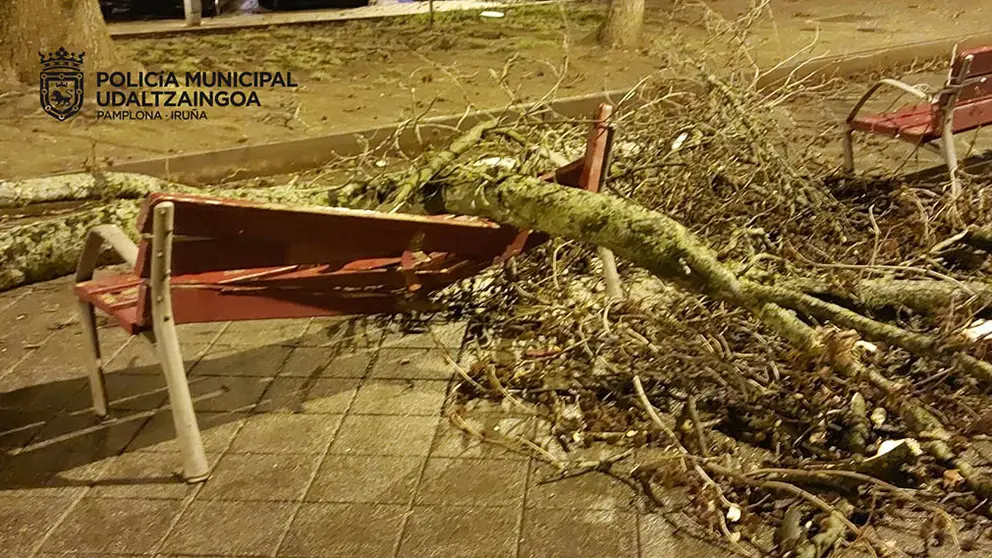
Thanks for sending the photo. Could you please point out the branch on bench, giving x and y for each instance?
(49, 247)
(84, 186)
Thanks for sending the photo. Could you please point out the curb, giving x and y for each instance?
(307, 153)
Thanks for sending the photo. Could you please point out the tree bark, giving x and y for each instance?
(624, 20)
(28, 27)
(74, 187)
(48, 248)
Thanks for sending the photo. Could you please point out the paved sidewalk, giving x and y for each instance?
(327, 436)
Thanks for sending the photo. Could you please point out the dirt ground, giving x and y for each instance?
(360, 74)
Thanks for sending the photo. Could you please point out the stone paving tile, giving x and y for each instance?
(285, 433)
(240, 360)
(473, 482)
(145, 475)
(462, 532)
(450, 335)
(263, 332)
(229, 528)
(284, 395)
(366, 479)
(304, 395)
(127, 392)
(345, 335)
(51, 471)
(100, 525)
(400, 397)
(330, 395)
(32, 320)
(319, 362)
(24, 521)
(343, 531)
(202, 333)
(230, 394)
(19, 426)
(660, 538)
(36, 396)
(452, 441)
(385, 435)
(64, 356)
(592, 491)
(84, 433)
(138, 357)
(578, 534)
(412, 364)
(245, 477)
(159, 434)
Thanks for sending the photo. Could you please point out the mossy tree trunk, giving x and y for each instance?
(624, 21)
(28, 27)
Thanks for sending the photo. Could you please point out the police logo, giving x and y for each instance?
(62, 83)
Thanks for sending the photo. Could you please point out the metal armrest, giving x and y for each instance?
(904, 87)
(97, 236)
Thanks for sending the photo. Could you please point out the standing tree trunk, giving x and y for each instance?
(28, 27)
(624, 20)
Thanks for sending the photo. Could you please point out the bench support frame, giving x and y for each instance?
(166, 341)
(944, 103)
(163, 335)
(92, 248)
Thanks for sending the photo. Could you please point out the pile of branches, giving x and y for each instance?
(802, 354)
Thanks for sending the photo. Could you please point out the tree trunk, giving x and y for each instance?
(624, 20)
(28, 27)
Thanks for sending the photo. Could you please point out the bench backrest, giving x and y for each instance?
(969, 88)
(217, 235)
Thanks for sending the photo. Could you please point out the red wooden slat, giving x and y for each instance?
(594, 170)
(190, 256)
(366, 220)
(209, 304)
(981, 62)
(121, 305)
(976, 90)
(347, 234)
(569, 175)
(375, 279)
(972, 115)
(911, 122)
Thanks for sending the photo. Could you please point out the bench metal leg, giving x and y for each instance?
(98, 387)
(951, 157)
(195, 466)
(849, 150)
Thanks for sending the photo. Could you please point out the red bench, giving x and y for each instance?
(965, 103)
(203, 259)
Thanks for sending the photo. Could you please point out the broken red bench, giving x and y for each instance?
(205, 259)
(963, 104)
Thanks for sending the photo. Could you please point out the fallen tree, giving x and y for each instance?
(791, 342)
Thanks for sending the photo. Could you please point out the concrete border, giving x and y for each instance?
(853, 63)
(307, 153)
(280, 157)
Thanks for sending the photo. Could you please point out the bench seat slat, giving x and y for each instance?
(912, 123)
(981, 62)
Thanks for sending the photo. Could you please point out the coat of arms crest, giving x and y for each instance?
(62, 83)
